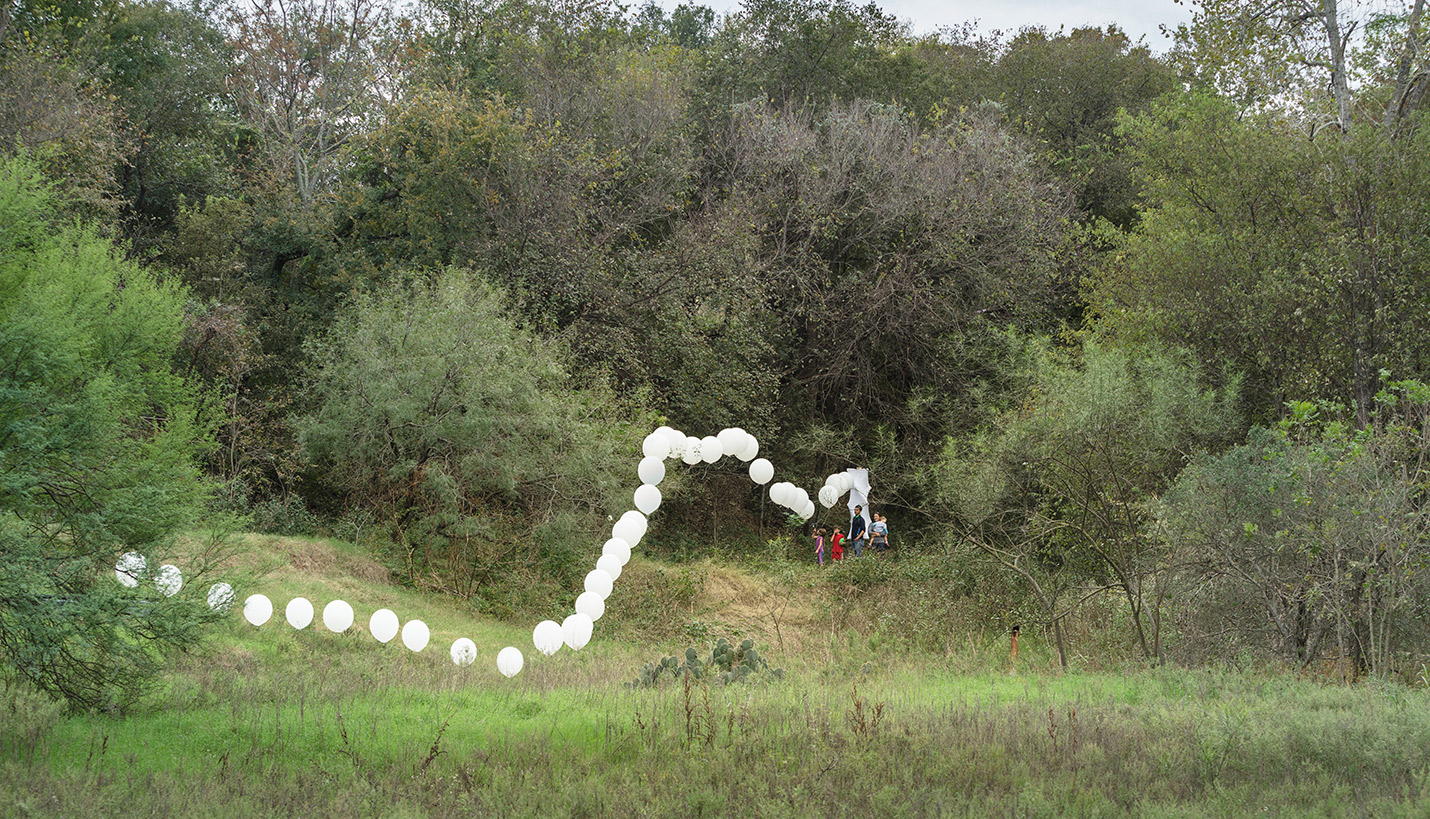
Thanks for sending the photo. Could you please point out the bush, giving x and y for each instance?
(465, 433)
(99, 443)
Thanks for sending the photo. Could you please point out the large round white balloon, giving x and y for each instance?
(647, 498)
(752, 448)
(547, 637)
(257, 609)
(220, 597)
(611, 565)
(846, 482)
(591, 604)
(799, 498)
(828, 496)
(383, 625)
(464, 652)
(677, 442)
(299, 613)
(169, 580)
(599, 582)
(638, 520)
(510, 661)
(655, 445)
(779, 492)
(761, 471)
(627, 530)
(691, 455)
(651, 470)
(576, 630)
(337, 616)
(710, 449)
(808, 511)
(732, 440)
(415, 635)
(130, 567)
(617, 548)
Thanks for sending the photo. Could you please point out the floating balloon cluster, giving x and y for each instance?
(576, 629)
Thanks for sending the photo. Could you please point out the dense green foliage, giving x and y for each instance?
(463, 435)
(1024, 279)
(99, 438)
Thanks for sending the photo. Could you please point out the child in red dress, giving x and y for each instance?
(836, 550)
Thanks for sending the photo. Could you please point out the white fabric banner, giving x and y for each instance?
(859, 496)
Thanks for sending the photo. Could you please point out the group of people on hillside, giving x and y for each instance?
(876, 533)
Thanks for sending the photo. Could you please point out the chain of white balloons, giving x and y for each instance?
(664, 444)
(548, 636)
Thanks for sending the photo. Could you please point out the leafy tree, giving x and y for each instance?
(1266, 52)
(436, 411)
(166, 69)
(1066, 91)
(1307, 542)
(1300, 264)
(790, 53)
(99, 437)
(1061, 490)
(888, 246)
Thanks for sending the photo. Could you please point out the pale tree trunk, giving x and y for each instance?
(1340, 86)
(1409, 73)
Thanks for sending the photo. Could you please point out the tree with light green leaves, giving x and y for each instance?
(99, 440)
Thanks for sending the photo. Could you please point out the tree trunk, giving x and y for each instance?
(1340, 87)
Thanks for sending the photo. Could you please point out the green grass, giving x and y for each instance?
(272, 722)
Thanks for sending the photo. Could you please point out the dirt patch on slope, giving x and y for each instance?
(782, 615)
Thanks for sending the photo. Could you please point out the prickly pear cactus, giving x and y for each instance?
(726, 664)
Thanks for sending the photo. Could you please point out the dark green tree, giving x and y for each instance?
(99, 438)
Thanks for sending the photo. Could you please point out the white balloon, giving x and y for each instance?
(651, 470)
(510, 661)
(778, 492)
(617, 548)
(383, 625)
(827, 496)
(547, 637)
(655, 445)
(576, 630)
(761, 471)
(638, 520)
(808, 511)
(169, 580)
(337, 616)
(732, 440)
(415, 635)
(611, 565)
(591, 604)
(627, 530)
(691, 456)
(846, 482)
(299, 613)
(257, 609)
(220, 597)
(464, 652)
(800, 498)
(130, 567)
(677, 442)
(752, 448)
(710, 449)
(598, 582)
(647, 498)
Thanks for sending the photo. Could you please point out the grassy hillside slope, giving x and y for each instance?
(272, 722)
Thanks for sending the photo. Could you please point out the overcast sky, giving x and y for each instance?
(1139, 18)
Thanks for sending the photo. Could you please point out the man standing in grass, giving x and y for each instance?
(857, 532)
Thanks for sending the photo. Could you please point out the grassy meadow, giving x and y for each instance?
(272, 722)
